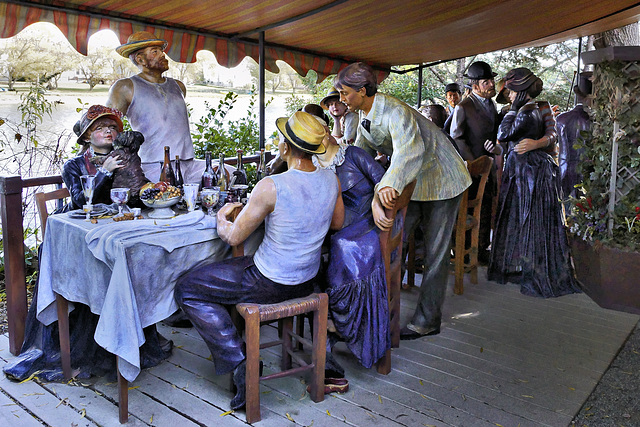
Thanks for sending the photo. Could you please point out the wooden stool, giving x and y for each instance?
(255, 315)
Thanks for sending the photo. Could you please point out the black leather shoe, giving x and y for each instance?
(178, 320)
(409, 334)
(239, 401)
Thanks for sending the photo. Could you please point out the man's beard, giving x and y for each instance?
(159, 64)
(489, 93)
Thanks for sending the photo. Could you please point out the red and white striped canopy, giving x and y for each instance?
(326, 35)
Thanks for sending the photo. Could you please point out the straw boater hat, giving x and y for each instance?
(501, 98)
(91, 115)
(331, 93)
(303, 130)
(140, 40)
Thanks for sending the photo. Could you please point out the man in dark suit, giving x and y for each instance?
(474, 127)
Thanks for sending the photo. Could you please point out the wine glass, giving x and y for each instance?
(120, 196)
(190, 196)
(87, 182)
(210, 197)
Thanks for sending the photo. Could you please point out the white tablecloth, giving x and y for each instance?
(125, 272)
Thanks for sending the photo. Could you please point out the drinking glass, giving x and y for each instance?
(120, 196)
(190, 196)
(87, 182)
(210, 198)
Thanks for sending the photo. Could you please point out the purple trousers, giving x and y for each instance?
(206, 293)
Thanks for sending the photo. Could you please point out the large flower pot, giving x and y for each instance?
(611, 277)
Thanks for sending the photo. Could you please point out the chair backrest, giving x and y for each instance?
(390, 243)
(480, 167)
(41, 203)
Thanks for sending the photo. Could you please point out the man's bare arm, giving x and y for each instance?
(261, 203)
(120, 95)
(182, 87)
(338, 212)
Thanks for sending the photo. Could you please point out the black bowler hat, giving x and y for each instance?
(479, 70)
(452, 87)
(584, 87)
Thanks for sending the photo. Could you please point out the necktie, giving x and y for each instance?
(366, 124)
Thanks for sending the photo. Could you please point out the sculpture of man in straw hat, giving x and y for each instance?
(155, 106)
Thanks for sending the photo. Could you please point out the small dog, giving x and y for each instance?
(130, 175)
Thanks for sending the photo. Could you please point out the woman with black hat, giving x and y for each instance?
(530, 245)
(96, 130)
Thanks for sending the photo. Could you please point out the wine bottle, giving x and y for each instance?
(240, 174)
(179, 178)
(262, 166)
(167, 174)
(209, 178)
(223, 180)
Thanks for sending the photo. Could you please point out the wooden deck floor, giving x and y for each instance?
(501, 359)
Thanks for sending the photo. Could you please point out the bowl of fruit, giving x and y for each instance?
(160, 196)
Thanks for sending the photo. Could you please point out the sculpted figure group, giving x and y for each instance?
(332, 184)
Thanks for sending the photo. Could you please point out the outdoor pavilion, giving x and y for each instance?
(304, 33)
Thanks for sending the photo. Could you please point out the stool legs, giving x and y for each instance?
(252, 341)
(319, 354)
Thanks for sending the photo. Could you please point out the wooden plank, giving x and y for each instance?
(141, 405)
(45, 405)
(11, 414)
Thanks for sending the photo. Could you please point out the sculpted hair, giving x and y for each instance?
(297, 152)
(356, 76)
(535, 88)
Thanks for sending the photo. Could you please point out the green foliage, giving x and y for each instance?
(33, 106)
(294, 103)
(215, 133)
(616, 100)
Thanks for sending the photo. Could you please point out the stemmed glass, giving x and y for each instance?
(210, 197)
(120, 196)
(87, 188)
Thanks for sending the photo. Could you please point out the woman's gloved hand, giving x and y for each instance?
(521, 99)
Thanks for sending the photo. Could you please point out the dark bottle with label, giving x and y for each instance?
(209, 177)
(240, 174)
(262, 166)
(179, 178)
(223, 179)
(167, 174)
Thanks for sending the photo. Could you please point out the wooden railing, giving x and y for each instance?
(11, 189)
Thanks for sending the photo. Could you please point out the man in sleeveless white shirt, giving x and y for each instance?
(298, 208)
(155, 106)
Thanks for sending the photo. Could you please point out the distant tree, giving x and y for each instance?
(623, 36)
(96, 67)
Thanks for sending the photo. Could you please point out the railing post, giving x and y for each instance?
(14, 268)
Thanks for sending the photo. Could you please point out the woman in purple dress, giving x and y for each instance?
(356, 282)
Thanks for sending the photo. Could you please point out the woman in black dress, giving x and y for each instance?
(530, 244)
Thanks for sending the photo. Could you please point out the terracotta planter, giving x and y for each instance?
(611, 277)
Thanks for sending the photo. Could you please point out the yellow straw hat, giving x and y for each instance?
(140, 40)
(303, 130)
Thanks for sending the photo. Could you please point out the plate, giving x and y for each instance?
(79, 213)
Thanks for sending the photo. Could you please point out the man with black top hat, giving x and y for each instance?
(569, 126)
(474, 126)
(155, 106)
(298, 207)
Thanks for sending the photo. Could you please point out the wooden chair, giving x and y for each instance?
(391, 247)
(250, 317)
(255, 315)
(62, 305)
(469, 220)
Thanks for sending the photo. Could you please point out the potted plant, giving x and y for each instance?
(604, 221)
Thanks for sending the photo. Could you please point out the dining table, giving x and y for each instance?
(125, 271)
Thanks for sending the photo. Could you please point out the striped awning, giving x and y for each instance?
(326, 35)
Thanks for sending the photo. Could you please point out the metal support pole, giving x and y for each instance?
(261, 88)
(578, 68)
(419, 87)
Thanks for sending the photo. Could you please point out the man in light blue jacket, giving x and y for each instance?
(420, 151)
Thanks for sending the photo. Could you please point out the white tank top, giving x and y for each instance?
(290, 251)
(158, 111)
